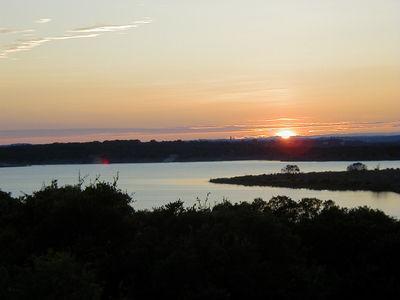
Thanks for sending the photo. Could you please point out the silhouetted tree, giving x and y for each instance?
(291, 169)
(357, 167)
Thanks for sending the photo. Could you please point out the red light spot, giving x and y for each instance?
(105, 161)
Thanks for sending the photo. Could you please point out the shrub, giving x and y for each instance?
(291, 169)
(357, 167)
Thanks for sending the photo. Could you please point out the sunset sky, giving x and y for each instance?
(157, 69)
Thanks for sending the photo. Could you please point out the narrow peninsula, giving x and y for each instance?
(387, 180)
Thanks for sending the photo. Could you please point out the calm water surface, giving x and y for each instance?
(155, 184)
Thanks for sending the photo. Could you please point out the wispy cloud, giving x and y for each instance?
(14, 31)
(103, 28)
(70, 37)
(43, 21)
(21, 45)
(111, 28)
(26, 45)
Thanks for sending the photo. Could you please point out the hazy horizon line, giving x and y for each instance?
(337, 135)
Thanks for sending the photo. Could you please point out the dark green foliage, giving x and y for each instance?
(387, 180)
(89, 243)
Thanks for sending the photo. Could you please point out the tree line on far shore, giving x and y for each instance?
(299, 149)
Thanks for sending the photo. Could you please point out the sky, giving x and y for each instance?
(184, 69)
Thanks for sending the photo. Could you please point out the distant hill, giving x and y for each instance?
(348, 148)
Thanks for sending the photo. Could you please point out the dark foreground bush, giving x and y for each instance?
(89, 243)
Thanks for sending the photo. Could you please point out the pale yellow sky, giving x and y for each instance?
(158, 69)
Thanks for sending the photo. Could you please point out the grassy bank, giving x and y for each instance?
(387, 180)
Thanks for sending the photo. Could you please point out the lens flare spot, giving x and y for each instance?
(105, 161)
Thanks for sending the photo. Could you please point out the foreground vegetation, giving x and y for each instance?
(387, 180)
(89, 243)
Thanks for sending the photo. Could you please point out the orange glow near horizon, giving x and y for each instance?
(286, 134)
(189, 70)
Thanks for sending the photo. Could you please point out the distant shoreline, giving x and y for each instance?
(181, 161)
(134, 151)
(375, 180)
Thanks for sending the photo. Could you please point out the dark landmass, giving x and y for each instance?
(134, 151)
(387, 180)
(77, 242)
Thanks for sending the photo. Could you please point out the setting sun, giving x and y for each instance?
(286, 134)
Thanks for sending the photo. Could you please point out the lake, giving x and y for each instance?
(155, 184)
